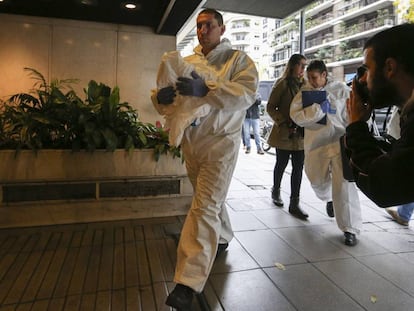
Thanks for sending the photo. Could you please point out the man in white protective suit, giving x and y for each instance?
(210, 147)
(324, 124)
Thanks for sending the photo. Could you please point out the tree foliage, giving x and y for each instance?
(406, 8)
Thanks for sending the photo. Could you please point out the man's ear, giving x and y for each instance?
(223, 29)
(390, 67)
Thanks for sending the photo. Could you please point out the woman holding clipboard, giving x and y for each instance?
(320, 107)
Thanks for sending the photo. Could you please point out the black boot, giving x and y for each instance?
(295, 209)
(221, 248)
(180, 298)
(350, 239)
(330, 209)
(276, 197)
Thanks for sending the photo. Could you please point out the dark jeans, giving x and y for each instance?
(282, 159)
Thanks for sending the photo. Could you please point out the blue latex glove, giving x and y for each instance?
(325, 105)
(165, 96)
(193, 87)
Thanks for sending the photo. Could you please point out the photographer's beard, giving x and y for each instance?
(383, 93)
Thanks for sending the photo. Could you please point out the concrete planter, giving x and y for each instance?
(61, 186)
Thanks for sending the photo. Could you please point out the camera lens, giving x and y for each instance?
(361, 86)
(361, 71)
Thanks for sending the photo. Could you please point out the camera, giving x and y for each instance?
(361, 87)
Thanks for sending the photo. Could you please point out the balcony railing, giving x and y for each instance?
(353, 6)
(366, 26)
(349, 54)
(319, 41)
(310, 23)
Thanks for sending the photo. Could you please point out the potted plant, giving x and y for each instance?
(58, 151)
(49, 118)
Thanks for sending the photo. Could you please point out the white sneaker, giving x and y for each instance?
(396, 217)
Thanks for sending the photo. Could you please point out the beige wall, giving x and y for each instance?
(121, 55)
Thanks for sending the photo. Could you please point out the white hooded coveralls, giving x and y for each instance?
(323, 164)
(210, 151)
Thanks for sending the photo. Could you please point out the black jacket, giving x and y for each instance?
(253, 112)
(387, 178)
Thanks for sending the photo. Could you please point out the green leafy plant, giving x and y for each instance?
(51, 118)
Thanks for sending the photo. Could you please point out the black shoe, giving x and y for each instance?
(295, 209)
(329, 209)
(248, 150)
(276, 197)
(350, 239)
(298, 213)
(181, 298)
(221, 248)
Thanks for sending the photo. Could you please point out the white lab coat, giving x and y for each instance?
(210, 151)
(323, 164)
(185, 109)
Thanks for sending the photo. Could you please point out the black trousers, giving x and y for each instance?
(282, 159)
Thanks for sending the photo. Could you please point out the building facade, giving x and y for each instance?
(334, 31)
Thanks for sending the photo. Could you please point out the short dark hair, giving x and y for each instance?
(217, 15)
(395, 42)
(317, 65)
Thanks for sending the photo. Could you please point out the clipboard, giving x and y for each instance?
(311, 97)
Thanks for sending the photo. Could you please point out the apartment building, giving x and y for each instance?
(335, 31)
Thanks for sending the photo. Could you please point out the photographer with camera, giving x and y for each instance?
(384, 176)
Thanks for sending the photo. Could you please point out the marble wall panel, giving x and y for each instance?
(85, 51)
(121, 55)
(138, 60)
(25, 42)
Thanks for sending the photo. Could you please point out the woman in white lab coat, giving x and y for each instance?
(324, 124)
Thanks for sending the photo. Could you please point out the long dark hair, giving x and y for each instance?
(293, 60)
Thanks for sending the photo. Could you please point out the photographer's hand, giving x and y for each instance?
(356, 108)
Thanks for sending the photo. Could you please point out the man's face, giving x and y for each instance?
(382, 92)
(208, 32)
(317, 79)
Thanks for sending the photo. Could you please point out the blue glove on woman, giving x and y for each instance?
(325, 106)
(193, 87)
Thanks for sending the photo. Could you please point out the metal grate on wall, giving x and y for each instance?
(15, 193)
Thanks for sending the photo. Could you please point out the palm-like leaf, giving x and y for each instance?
(48, 117)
